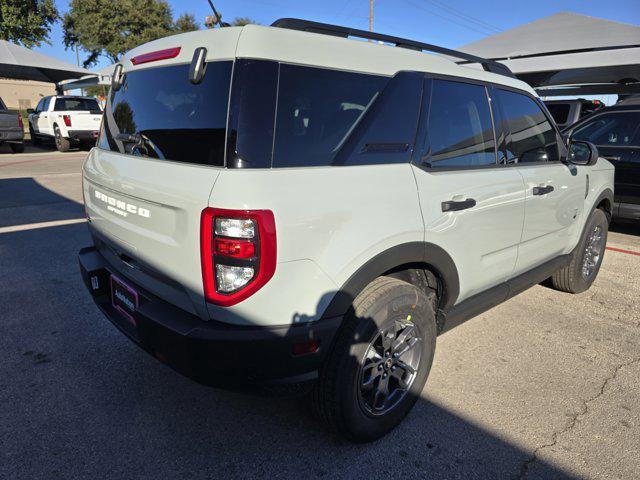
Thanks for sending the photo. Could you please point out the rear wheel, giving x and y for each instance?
(17, 147)
(586, 259)
(380, 361)
(62, 144)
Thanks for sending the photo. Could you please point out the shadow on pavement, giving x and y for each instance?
(24, 201)
(628, 227)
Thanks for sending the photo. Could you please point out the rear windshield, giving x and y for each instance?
(159, 113)
(76, 104)
(559, 112)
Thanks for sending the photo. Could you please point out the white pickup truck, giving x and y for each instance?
(69, 120)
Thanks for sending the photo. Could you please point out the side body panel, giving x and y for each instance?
(329, 221)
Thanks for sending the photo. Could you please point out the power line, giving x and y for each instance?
(463, 16)
(474, 28)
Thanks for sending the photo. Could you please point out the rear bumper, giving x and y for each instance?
(630, 211)
(212, 353)
(83, 135)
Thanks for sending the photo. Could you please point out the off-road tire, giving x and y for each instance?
(570, 278)
(62, 144)
(17, 147)
(336, 396)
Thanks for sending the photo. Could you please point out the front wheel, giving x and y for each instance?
(380, 361)
(586, 259)
(62, 144)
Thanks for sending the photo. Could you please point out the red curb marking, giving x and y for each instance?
(630, 252)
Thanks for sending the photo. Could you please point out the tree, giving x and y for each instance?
(242, 21)
(27, 22)
(113, 27)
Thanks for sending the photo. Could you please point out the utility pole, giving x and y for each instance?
(371, 15)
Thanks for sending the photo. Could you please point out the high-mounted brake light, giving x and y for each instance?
(67, 120)
(155, 56)
(238, 253)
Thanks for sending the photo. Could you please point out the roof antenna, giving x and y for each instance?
(215, 19)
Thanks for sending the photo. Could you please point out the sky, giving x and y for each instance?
(450, 23)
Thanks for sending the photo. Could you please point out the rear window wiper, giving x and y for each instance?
(129, 137)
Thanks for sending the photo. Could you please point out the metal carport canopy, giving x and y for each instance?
(23, 64)
(569, 49)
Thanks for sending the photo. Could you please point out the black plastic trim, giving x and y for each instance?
(406, 253)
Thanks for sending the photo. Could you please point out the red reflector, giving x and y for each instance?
(234, 248)
(155, 56)
(67, 120)
(305, 348)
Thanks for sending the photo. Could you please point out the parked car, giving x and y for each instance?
(267, 213)
(567, 112)
(616, 132)
(69, 120)
(11, 128)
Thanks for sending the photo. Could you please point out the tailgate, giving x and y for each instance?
(8, 120)
(84, 120)
(146, 215)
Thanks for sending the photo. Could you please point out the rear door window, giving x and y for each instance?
(459, 129)
(159, 113)
(531, 137)
(76, 104)
(616, 129)
(317, 109)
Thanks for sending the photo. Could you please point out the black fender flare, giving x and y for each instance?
(412, 252)
(607, 193)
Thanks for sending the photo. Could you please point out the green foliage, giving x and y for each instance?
(27, 22)
(113, 27)
(242, 21)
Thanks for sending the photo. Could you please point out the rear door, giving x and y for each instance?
(42, 120)
(555, 190)
(159, 153)
(617, 136)
(473, 208)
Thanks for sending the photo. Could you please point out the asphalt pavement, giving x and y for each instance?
(543, 386)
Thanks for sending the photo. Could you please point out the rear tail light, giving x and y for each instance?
(67, 120)
(238, 253)
(20, 122)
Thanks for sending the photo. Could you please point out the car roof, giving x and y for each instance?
(311, 49)
(600, 111)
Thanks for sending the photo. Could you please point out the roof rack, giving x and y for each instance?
(345, 32)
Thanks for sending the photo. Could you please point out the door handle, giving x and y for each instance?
(542, 190)
(456, 205)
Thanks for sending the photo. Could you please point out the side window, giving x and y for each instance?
(317, 110)
(459, 127)
(45, 104)
(616, 129)
(531, 137)
(39, 106)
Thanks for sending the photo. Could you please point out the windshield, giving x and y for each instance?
(159, 113)
(76, 104)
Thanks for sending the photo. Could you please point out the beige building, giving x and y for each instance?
(23, 94)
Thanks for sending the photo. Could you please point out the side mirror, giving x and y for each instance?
(582, 153)
(30, 111)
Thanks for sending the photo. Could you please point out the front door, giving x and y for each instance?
(472, 207)
(555, 190)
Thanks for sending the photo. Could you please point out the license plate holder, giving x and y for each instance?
(124, 299)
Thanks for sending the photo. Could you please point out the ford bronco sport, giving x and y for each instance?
(288, 207)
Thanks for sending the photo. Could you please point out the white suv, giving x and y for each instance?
(68, 120)
(287, 207)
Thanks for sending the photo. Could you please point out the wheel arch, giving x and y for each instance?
(413, 255)
(604, 201)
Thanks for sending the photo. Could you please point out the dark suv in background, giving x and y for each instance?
(567, 112)
(615, 131)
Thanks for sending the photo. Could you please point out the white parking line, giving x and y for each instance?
(33, 226)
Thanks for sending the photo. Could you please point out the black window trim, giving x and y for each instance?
(416, 157)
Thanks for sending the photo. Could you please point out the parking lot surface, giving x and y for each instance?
(543, 386)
